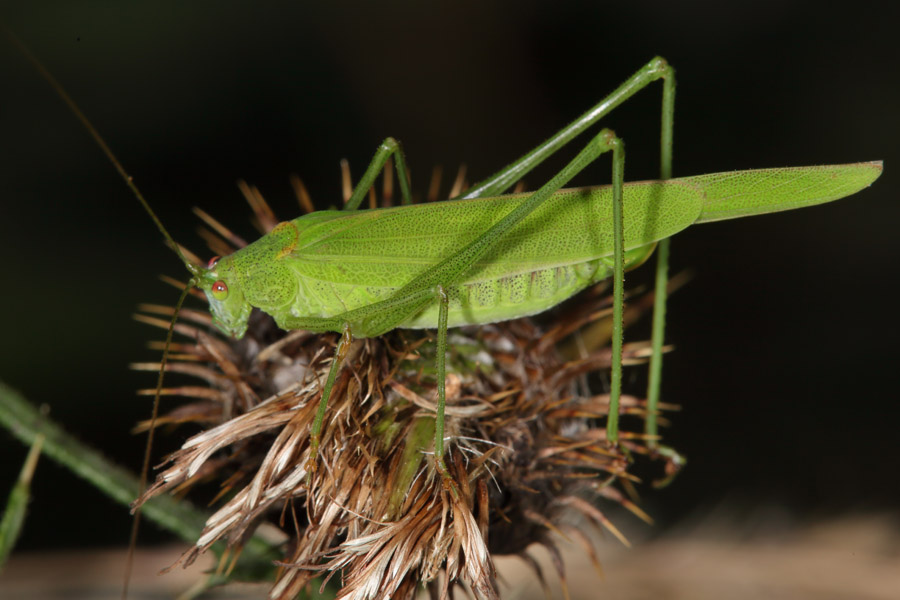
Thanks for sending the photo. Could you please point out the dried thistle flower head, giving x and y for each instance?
(526, 448)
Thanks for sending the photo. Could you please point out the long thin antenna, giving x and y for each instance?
(145, 469)
(129, 180)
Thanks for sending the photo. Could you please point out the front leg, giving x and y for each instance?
(315, 432)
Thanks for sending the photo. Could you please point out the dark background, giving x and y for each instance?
(786, 360)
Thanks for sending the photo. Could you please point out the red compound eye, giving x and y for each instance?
(212, 262)
(219, 290)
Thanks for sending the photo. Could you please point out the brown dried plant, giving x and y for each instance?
(527, 444)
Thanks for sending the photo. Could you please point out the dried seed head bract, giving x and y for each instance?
(525, 448)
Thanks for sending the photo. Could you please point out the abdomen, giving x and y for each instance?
(511, 297)
(475, 301)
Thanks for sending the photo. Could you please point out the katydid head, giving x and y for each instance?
(229, 308)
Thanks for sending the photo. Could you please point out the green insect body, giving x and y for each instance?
(327, 263)
(486, 257)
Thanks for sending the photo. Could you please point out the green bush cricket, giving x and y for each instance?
(483, 257)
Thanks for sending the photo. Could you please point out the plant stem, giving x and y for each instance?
(26, 422)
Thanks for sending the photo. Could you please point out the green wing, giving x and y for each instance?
(746, 193)
(389, 247)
